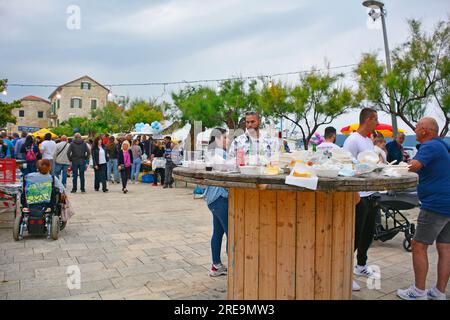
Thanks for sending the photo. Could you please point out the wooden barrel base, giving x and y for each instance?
(290, 245)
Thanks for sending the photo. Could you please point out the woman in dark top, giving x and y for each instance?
(31, 151)
(99, 159)
(158, 152)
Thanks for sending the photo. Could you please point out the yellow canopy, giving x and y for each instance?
(41, 133)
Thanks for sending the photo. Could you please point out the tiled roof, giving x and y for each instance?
(65, 84)
(34, 98)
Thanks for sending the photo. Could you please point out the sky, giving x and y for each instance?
(56, 41)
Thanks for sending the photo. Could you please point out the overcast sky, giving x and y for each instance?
(162, 41)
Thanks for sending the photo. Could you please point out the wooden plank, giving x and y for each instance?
(306, 239)
(324, 220)
(239, 245)
(286, 243)
(267, 245)
(231, 248)
(251, 246)
(349, 243)
(338, 263)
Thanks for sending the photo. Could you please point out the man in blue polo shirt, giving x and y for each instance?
(432, 163)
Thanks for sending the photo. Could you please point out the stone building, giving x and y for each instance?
(77, 98)
(32, 116)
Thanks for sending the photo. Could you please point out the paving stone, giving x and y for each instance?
(121, 294)
(35, 265)
(9, 286)
(130, 271)
(14, 275)
(39, 294)
(89, 287)
(136, 281)
(86, 296)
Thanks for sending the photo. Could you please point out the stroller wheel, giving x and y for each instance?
(16, 229)
(407, 244)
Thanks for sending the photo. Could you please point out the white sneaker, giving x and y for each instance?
(355, 286)
(366, 272)
(435, 294)
(218, 270)
(411, 294)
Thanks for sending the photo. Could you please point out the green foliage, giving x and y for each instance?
(419, 76)
(316, 101)
(199, 104)
(141, 111)
(6, 115)
(109, 119)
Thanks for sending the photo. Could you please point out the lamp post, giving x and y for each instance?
(375, 15)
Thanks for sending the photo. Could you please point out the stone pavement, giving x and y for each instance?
(151, 243)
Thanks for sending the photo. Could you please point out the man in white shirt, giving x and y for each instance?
(330, 141)
(48, 148)
(366, 211)
(253, 141)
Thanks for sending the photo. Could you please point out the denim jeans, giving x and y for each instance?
(113, 167)
(78, 168)
(135, 169)
(219, 209)
(61, 167)
(168, 179)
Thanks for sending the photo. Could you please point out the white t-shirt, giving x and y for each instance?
(101, 156)
(48, 148)
(327, 146)
(356, 144)
(380, 152)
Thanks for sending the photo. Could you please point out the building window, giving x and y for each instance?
(40, 114)
(58, 103)
(85, 86)
(93, 104)
(21, 113)
(75, 103)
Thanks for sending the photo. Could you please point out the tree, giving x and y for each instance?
(141, 111)
(110, 118)
(198, 104)
(236, 99)
(6, 115)
(419, 74)
(71, 126)
(316, 101)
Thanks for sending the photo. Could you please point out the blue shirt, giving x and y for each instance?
(434, 177)
(212, 192)
(9, 148)
(394, 152)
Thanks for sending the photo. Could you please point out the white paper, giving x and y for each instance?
(308, 183)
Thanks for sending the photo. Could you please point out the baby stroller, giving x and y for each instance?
(40, 211)
(395, 221)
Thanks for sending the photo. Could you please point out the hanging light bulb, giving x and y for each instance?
(58, 95)
(5, 92)
(110, 94)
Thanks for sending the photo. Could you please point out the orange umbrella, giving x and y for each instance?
(384, 129)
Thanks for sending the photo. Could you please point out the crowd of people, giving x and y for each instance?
(116, 160)
(113, 159)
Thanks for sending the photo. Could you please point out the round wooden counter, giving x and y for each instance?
(287, 242)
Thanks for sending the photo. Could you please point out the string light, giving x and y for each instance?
(164, 84)
(5, 92)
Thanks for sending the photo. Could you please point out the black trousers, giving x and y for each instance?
(366, 212)
(161, 173)
(100, 176)
(125, 174)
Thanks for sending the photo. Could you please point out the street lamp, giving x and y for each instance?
(373, 5)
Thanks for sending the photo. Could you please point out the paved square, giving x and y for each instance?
(151, 243)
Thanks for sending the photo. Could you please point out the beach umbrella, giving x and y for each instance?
(41, 133)
(384, 129)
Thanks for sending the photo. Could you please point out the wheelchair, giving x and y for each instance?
(40, 211)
